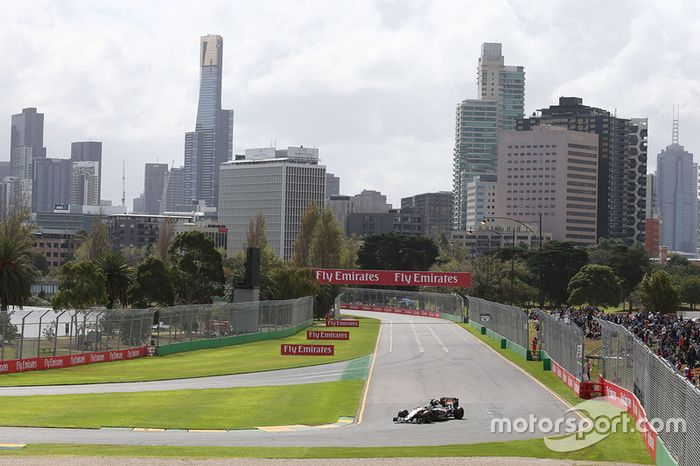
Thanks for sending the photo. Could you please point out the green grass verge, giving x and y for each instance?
(628, 447)
(228, 408)
(249, 357)
(614, 448)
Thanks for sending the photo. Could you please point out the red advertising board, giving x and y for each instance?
(572, 382)
(392, 278)
(307, 350)
(342, 323)
(634, 409)
(59, 362)
(393, 310)
(326, 335)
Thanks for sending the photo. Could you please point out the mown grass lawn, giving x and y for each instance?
(228, 408)
(239, 359)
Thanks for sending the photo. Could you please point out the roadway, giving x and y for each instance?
(418, 358)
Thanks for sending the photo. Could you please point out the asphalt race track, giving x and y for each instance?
(418, 358)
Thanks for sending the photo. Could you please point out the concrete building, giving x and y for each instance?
(280, 184)
(51, 184)
(332, 185)
(480, 200)
(154, 177)
(58, 245)
(363, 224)
(652, 236)
(211, 143)
(434, 209)
(217, 232)
(85, 183)
(369, 201)
(650, 209)
(622, 163)
(677, 184)
(551, 171)
(26, 146)
(172, 199)
(89, 151)
(139, 205)
(137, 230)
(5, 169)
(501, 83)
(341, 208)
(486, 239)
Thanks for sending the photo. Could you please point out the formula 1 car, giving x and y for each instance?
(438, 410)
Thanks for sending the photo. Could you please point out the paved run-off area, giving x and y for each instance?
(417, 359)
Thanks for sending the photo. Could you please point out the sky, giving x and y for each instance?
(372, 84)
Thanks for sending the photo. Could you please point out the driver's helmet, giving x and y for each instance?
(434, 402)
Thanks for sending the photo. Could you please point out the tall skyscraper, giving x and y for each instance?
(280, 184)
(622, 163)
(211, 143)
(89, 151)
(332, 185)
(85, 183)
(434, 209)
(550, 171)
(26, 145)
(174, 192)
(500, 102)
(51, 184)
(153, 186)
(677, 196)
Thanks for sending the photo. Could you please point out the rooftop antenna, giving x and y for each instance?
(674, 131)
(123, 183)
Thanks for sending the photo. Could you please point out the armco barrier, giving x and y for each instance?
(230, 341)
(59, 362)
(392, 310)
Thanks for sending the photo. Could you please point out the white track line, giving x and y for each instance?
(415, 336)
(391, 336)
(444, 348)
(459, 334)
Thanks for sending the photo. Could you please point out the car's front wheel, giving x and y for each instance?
(459, 413)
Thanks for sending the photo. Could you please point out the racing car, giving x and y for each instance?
(442, 409)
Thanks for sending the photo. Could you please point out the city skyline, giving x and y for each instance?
(367, 112)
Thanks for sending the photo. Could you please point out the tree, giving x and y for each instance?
(40, 263)
(560, 262)
(397, 252)
(595, 284)
(118, 277)
(680, 266)
(326, 245)
(628, 263)
(8, 331)
(80, 285)
(166, 232)
(351, 246)
(302, 245)
(658, 294)
(17, 271)
(294, 282)
(94, 243)
(134, 255)
(256, 237)
(153, 284)
(198, 268)
(690, 290)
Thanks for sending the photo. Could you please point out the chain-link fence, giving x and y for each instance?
(509, 321)
(206, 321)
(563, 341)
(663, 392)
(444, 303)
(38, 332)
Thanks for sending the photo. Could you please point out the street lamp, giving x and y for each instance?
(512, 259)
(539, 241)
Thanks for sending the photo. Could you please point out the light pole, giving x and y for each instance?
(539, 256)
(512, 259)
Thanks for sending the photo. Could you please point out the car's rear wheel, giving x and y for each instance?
(428, 417)
(459, 413)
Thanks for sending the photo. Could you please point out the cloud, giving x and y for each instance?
(372, 84)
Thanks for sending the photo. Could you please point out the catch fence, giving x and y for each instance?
(449, 305)
(508, 321)
(40, 332)
(663, 392)
(564, 343)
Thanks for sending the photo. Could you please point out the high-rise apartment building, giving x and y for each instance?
(622, 163)
(332, 185)
(85, 183)
(5, 169)
(500, 102)
(553, 172)
(51, 184)
(89, 151)
(174, 192)
(677, 184)
(481, 201)
(434, 210)
(280, 184)
(211, 143)
(154, 177)
(26, 145)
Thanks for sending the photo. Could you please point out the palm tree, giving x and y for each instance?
(119, 275)
(17, 273)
